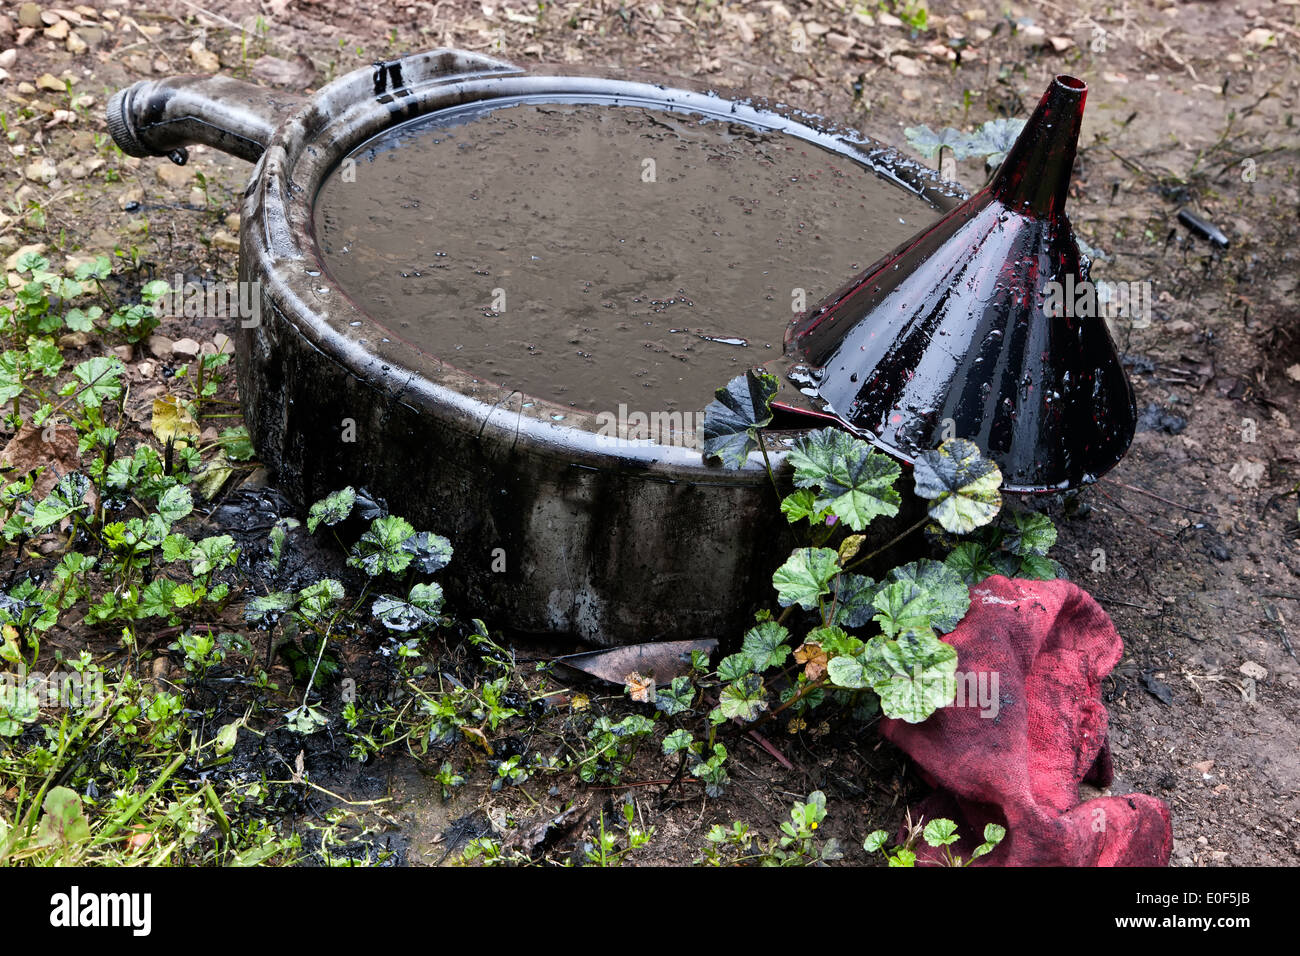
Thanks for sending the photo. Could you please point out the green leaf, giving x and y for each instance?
(158, 599)
(854, 599)
(993, 835)
(101, 379)
(764, 645)
(83, 320)
(972, 561)
(803, 504)
(805, 577)
(676, 698)
(994, 139)
(744, 699)
(429, 552)
(237, 444)
(1037, 568)
(944, 598)
(11, 376)
(1034, 534)
(875, 840)
(835, 641)
(927, 142)
(677, 741)
(65, 498)
(381, 549)
(331, 509)
(226, 738)
(268, 606)
(914, 675)
(846, 671)
(735, 666)
(63, 823)
(175, 503)
(961, 482)
(320, 599)
(732, 420)
(212, 554)
(854, 480)
(940, 832)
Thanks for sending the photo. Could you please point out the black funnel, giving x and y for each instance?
(950, 334)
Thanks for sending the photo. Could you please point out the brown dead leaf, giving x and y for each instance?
(640, 688)
(52, 447)
(813, 659)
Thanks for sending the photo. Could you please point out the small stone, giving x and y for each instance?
(159, 346)
(50, 82)
(1060, 44)
(1205, 766)
(7, 58)
(905, 66)
(76, 45)
(59, 31)
(24, 36)
(50, 17)
(1253, 671)
(185, 349)
(224, 240)
(91, 36)
(232, 223)
(169, 174)
(1293, 372)
(145, 369)
(74, 340)
(25, 87)
(204, 59)
(130, 198)
(125, 352)
(198, 197)
(208, 434)
(840, 43)
(223, 343)
(36, 249)
(29, 15)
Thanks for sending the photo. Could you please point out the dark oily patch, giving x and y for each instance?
(600, 255)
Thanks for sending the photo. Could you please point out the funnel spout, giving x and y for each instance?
(162, 117)
(963, 331)
(1035, 176)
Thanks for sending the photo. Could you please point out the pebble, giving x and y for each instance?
(224, 240)
(185, 349)
(41, 171)
(125, 352)
(8, 57)
(74, 340)
(50, 82)
(169, 174)
(29, 15)
(222, 343)
(159, 346)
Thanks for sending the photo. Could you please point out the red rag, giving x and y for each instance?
(1016, 753)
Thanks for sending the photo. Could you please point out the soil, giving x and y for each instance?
(1190, 543)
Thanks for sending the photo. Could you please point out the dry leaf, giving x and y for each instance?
(813, 659)
(173, 422)
(641, 688)
(53, 447)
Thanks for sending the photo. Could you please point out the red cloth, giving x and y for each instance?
(1020, 764)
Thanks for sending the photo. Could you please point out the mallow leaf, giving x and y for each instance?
(962, 484)
(732, 420)
(805, 577)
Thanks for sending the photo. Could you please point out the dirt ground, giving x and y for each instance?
(1191, 544)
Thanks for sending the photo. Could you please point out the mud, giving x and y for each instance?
(597, 255)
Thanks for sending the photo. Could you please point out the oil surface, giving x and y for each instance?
(599, 255)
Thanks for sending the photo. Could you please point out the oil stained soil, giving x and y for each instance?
(598, 255)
